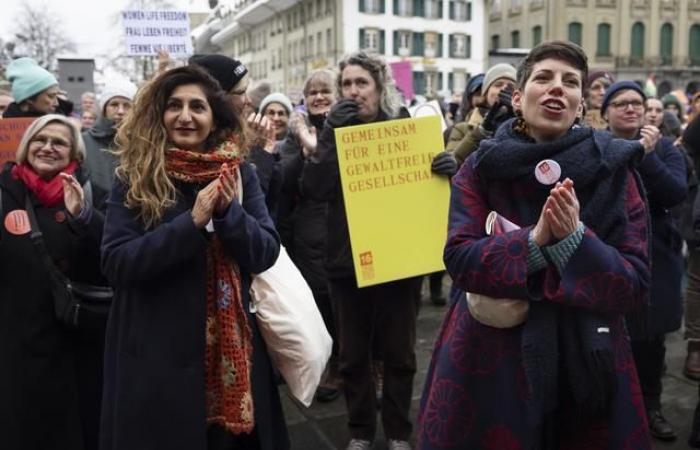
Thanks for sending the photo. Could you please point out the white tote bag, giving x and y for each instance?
(291, 325)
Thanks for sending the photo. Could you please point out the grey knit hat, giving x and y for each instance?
(501, 70)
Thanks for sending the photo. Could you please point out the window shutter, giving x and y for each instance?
(363, 6)
(421, 44)
(362, 39)
(419, 82)
(396, 42)
(382, 47)
(468, 47)
(415, 46)
(382, 6)
(396, 7)
(452, 10)
(451, 44)
(469, 11)
(451, 81)
(439, 44)
(440, 9)
(418, 8)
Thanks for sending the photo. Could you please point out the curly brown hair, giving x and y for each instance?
(142, 139)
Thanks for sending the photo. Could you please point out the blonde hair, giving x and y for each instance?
(77, 147)
(142, 140)
(323, 76)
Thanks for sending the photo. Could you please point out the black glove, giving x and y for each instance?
(343, 113)
(444, 163)
(501, 111)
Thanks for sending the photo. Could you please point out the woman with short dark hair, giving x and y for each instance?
(563, 375)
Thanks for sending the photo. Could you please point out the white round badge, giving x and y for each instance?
(548, 171)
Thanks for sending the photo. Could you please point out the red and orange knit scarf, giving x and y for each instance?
(229, 344)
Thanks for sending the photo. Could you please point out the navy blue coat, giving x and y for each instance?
(664, 176)
(154, 360)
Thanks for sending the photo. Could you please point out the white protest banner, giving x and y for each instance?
(146, 32)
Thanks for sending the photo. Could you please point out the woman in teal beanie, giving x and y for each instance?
(34, 89)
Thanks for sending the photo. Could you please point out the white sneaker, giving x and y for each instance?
(359, 444)
(395, 444)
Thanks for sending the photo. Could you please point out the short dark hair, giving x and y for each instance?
(566, 51)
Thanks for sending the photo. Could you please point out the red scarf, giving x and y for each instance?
(49, 193)
(229, 339)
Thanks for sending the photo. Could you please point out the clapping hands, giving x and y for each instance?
(560, 215)
(262, 130)
(215, 198)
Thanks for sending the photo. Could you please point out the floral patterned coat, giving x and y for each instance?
(476, 392)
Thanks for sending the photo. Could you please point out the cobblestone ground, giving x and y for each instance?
(323, 425)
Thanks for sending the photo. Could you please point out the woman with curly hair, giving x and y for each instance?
(562, 376)
(185, 364)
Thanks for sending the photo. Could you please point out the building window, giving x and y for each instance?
(319, 43)
(460, 46)
(637, 48)
(372, 39)
(432, 9)
(460, 10)
(603, 40)
(402, 43)
(310, 47)
(515, 4)
(536, 35)
(432, 82)
(666, 44)
(495, 42)
(433, 45)
(515, 39)
(329, 42)
(694, 45)
(576, 32)
(403, 7)
(372, 6)
(496, 6)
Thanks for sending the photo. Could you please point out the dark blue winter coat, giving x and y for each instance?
(154, 361)
(664, 175)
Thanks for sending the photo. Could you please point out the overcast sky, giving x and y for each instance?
(89, 23)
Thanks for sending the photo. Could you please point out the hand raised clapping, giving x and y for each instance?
(73, 195)
(215, 198)
(560, 214)
(262, 131)
(650, 136)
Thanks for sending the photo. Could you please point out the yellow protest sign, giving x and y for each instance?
(396, 207)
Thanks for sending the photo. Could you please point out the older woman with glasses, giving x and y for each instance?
(50, 384)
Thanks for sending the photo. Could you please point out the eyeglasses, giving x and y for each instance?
(623, 104)
(54, 143)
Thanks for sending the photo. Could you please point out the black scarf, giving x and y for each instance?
(563, 344)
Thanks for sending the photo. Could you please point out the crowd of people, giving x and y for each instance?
(175, 193)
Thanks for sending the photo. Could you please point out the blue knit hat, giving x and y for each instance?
(277, 97)
(28, 78)
(618, 86)
(474, 84)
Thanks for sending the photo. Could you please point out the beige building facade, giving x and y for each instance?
(631, 38)
(281, 41)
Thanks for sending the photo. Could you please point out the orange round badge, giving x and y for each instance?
(17, 222)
